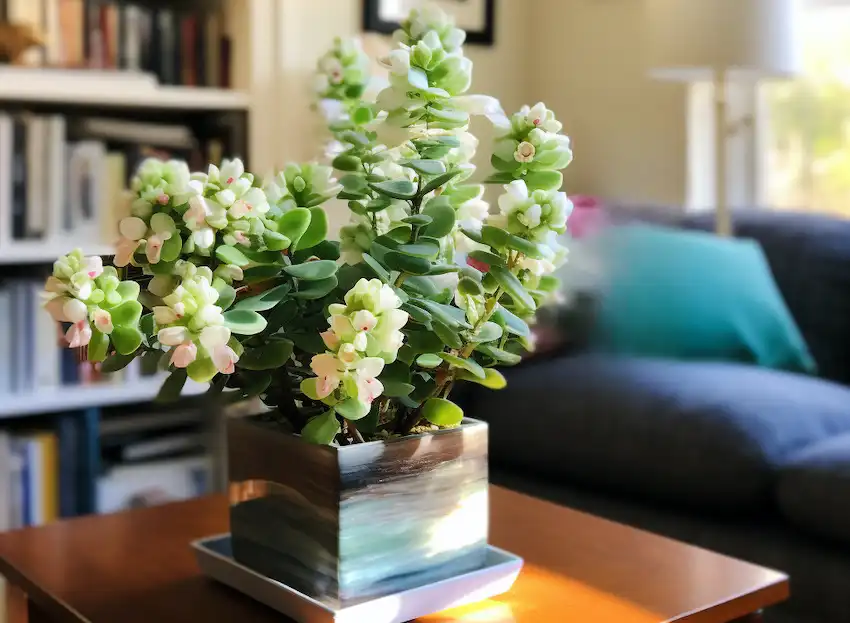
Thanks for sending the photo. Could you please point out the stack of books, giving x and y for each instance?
(63, 180)
(33, 356)
(186, 46)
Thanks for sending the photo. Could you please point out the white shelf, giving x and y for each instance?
(69, 398)
(40, 252)
(98, 88)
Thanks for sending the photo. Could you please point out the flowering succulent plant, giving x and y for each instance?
(362, 338)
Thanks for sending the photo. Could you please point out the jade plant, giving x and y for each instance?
(231, 280)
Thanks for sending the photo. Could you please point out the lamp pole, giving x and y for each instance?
(723, 217)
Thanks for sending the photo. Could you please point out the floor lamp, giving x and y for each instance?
(725, 42)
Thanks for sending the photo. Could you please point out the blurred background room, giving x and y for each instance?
(700, 379)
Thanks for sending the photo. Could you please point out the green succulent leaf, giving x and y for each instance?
(397, 189)
(548, 283)
(448, 336)
(502, 177)
(294, 224)
(380, 272)
(316, 232)
(524, 246)
(98, 346)
(440, 180)
(308, 342)
(352, 409)
(261, 273)
(397, 389)
(321, 429)
(126, 339)
(311, 290)
(354, 183)
(442, 412)
(513, 287)
(244, 321)
(324, 250)
(418, 220)
(511, 322)
(426, 167)
(275, 241)
(127, 314)
(467, 364)
(429, 360)
(116, 362)
(172, 387)
(417, 314)
(499, 355)
(544, 180)
(493, 379)
(425, 249)
(470, 287)
(491, 259)
(505, 166)
(443, 218)
(312, 271)
(494, 237)
(226, 294)
(346, 163)
(266, 300)
(407, 263)
(231, 255)
(271, 355)
(488, 332)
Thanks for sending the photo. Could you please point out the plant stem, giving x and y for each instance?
(358, 437)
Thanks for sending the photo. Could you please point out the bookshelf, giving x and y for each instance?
(110, 89)
(55, 399)
(57, 423)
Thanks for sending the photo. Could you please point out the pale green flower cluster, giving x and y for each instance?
(364, 334)
(343, 71)
(303, 185)
(530, 140)
(190, 324)
(98, 305)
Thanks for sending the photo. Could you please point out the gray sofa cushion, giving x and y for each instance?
(813, 488)
(705, 435)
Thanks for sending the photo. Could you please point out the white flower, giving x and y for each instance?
(184, 354)
(214, 339)
(124, 251)
(536, 267)
(397, 61)
(485, 105)
(74, 310)
(329, 369)
(79, 334)
(524, 152)
(102, 320)
(173, 336)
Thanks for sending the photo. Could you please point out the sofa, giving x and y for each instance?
(747, 461)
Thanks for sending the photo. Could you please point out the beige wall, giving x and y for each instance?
(582, 57)
(629, 133)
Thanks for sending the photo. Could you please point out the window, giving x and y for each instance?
(807, 127)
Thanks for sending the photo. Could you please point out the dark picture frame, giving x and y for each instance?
(372, 22)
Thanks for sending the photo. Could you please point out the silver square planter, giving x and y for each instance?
(347, 524)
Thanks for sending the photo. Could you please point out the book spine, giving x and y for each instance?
(188, 50)
(7, 166)
(168, 47)
(36, 213)
(46, 360)
(131, 43)
(56, 165)
(66, 430)
(19, 179)
(94, 43)
(26, 490)
(212, 50)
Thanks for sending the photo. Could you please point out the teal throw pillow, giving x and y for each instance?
(693, 295)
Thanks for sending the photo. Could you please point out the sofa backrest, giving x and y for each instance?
(809, 255)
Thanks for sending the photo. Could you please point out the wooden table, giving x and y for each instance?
(136, 567)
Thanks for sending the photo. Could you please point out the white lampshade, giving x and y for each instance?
(748, 39)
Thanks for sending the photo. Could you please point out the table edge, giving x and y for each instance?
(769, 594)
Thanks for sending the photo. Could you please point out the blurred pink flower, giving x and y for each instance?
(588, 216)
